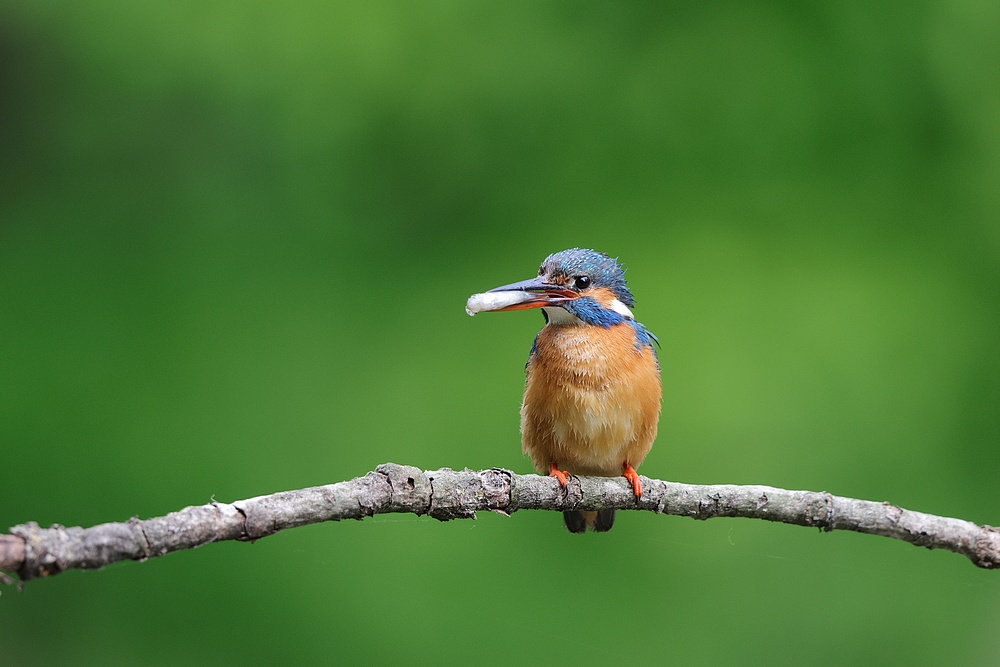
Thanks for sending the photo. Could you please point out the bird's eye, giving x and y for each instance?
(582, 282)
(541, 270)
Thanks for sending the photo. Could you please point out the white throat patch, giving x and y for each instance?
(561, 316)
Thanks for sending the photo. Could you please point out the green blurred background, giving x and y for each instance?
(235, 244)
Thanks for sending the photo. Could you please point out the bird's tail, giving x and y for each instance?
(578, 521)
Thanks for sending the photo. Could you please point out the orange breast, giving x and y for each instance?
(592, 400)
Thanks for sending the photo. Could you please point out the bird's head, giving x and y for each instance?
(575, 285)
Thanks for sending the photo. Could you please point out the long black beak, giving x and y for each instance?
(533, 293)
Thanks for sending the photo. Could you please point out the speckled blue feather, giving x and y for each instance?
(602, 270)
(591, 312)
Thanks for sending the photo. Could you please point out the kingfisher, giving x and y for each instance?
(592, 391)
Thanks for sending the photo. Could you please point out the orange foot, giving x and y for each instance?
(632, 476)
(554, 471)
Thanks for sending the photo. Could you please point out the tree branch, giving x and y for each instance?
(31, 551)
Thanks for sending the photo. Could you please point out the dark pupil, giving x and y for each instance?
(582, 282)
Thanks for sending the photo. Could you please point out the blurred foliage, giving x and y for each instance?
(235, 244)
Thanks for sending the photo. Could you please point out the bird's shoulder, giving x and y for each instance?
(562, 343)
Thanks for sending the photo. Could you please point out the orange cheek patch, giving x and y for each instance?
(601, 295)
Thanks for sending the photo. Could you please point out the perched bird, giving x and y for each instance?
(592, 394)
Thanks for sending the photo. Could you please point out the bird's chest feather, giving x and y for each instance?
(591, 394)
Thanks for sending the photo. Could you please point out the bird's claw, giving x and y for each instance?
(561, 475)
(632, 476)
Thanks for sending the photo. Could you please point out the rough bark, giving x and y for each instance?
(31, 551)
